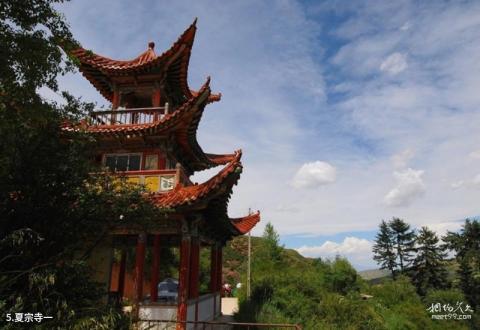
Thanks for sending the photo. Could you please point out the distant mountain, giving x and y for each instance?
(373, 274)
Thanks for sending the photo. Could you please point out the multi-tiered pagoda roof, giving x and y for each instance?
(171, 121)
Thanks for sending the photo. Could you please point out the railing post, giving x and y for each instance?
(166, 108)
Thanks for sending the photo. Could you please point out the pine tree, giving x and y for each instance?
(404, 240)
(428, 268)
(272, 240)
(383, 249)
(466, 245)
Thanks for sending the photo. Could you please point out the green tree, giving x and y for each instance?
(428, 269)
(272, 242)
(383, 249)
(342, 277)
(404, 240)
(466, 245)
(53, 213)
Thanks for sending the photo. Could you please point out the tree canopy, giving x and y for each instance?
(53, 210)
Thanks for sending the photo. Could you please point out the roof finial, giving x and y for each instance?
(151, 45)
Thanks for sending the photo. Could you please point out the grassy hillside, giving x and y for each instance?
(235, 258)
(289, 288)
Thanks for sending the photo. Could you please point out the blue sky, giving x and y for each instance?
(347, 112)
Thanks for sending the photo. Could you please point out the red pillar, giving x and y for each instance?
(139, 264)
(121, 274)
(183, 279)
(156, 101)
(219, 277)
(155, 266)
(156, 98)
(115, 99)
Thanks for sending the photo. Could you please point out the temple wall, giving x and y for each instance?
(100, 260)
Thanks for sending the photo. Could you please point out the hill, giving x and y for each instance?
(235, 256)
(326, 294)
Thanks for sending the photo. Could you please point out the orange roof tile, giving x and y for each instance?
(245, 224)
(181, 196)
(218, 188)
(97, 68)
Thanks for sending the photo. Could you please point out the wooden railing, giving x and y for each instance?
(131, 116)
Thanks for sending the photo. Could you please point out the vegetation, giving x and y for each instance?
(53, 211)
(383, 249)
(329, 294)
(429, 269)
(466, 246)
(403, 240)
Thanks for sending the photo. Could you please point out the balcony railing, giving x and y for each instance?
(154, 181)
(133, 116)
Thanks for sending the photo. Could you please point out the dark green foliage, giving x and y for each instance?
(53, 212)
(341, 276)
(466, 245)
(272, 242)
(204, 275)
(428, 270)
(328, 294)
(383, 249)
(404, 240)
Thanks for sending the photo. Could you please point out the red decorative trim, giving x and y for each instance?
(147, 172)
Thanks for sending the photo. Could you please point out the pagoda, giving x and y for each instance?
(149, 138)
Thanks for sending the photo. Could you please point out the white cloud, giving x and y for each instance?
(457, 184)
(476, 180)
(357, 250)
(409, 186)
(406, 26)
(271, 53)
(401, 159)
(394, 64)
(475, 154)
(442, 227)
(314, 174)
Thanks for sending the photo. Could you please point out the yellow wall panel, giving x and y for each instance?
(152, 183)
(133, 179)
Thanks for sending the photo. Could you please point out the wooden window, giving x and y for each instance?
(123, 162)
(151, 162)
